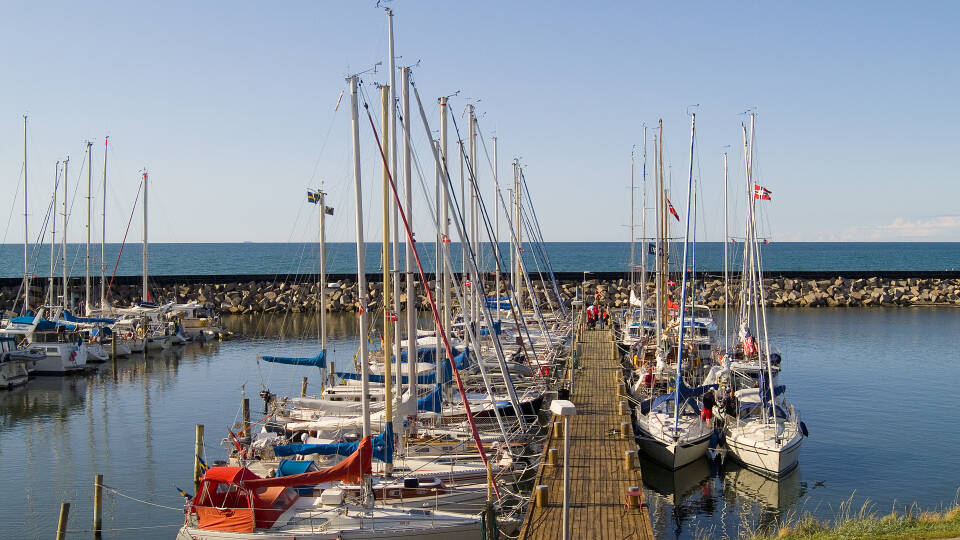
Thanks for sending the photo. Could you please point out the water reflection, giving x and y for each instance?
(707, 499)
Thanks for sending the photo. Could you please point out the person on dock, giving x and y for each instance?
(730, 404)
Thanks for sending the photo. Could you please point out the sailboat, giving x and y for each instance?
(766, 434)
(672, 431)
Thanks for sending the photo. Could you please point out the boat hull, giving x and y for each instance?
(766, 460)
(674, 455)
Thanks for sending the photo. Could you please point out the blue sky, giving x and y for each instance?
(231, 108)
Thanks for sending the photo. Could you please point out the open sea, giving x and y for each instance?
(875, 387)
(297, 258)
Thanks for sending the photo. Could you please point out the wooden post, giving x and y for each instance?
(62, 521)
(624, 407)
(245, 415)
(558, 428)
(543, 496)
(198, 449)
(97, 505)
(113, 348)
(303, 388)
(553, 456)
(333, 374)
(633, 501)
(625, 430)
(628, 460)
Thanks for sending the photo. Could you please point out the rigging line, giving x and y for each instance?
(13, 203)
(433, 305)
(124, 243)
(76, 253)
(536, 220)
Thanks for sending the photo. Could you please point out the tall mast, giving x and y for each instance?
(683, 282)
(496, 226)
(726, 275)
(388, 317)
(519, 233)
(391, 62)
(408, 191)
(53, 236)
(660, 292)
(438, 255)
(26, 232)
(103, 231)
(633, 235)
(361, 262)
(643, 230)
(145, 296)
(86, 272)
(63, 256)
(447, 301)
(323, 271)
(472, 171)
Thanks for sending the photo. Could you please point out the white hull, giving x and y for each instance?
(764, 455)
(13, 373)
(673, 455)
(65, 359)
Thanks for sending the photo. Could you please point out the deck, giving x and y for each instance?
(599, 480)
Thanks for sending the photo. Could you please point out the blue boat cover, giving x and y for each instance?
(70, 317)
(498, 303)
(462, 361)
(685, 393)
(433, 401)
(288, 467)
(379, 441)
(496, 329)
(319, 361)
(43, 325)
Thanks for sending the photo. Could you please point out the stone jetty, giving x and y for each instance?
(268, 296)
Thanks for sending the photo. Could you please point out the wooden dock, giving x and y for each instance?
(599, 479)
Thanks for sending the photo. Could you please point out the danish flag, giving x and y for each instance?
(391, 316)
(760, 192)
(674, 210)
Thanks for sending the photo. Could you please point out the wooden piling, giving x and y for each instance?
(245, 415)
(333, 374)
(633, 500)
(62, 521)
(113, 348)
(558, 428)
(97, 505)
(629, 460)
(553, 456)
(198, 449)
(624, 407)
(303, 388)
(626, 430)
(543, 496)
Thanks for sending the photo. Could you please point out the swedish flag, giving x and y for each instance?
(313, 196)
(184, 494)
(203, 465)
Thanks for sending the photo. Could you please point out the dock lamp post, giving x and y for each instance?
(566, 409)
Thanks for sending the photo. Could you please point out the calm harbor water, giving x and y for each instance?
(873, 385)
(294, 258)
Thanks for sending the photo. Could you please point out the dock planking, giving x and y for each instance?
(599, 480)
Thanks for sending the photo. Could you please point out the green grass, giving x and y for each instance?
(866, 523)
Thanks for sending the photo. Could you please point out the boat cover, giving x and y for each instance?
(319, 361)
(378, 443)
(462, 361)
(433, 401)
(70, 317)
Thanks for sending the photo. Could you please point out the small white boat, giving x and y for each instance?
(766, 441)
(14, 362)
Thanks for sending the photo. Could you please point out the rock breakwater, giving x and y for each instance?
(262, 296)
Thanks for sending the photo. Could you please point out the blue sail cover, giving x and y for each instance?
(43, 325)
(381, 446)
(319, 361)
(423, 355)
(462, 361)
(433, 401)
(496, 329)
(70, 317)
(498, 303)
(685, 393)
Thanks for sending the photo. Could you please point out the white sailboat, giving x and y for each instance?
(766, 433)
(671, 428)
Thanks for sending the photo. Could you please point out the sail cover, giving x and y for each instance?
(70, 317)
(319, 360)
(462, 361)
(378, 443)
(350, 470)
(433, 401)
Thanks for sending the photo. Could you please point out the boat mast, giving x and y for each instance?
(496, 227)
(391, 61)
(63, 256)
(726, 275)
(361, 261)
(474, 297)
(86, 272)
(103, 231)
(26, 232)
(408, 191)
(389, 319)
(53, 235)
(323, 272)
(146, 290)
(447, 300)
(633, 258)
(683, 282)
(643, 233)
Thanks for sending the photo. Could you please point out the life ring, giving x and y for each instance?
(636, 361)
(140, 333)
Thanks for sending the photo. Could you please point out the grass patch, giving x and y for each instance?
(866, 523)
